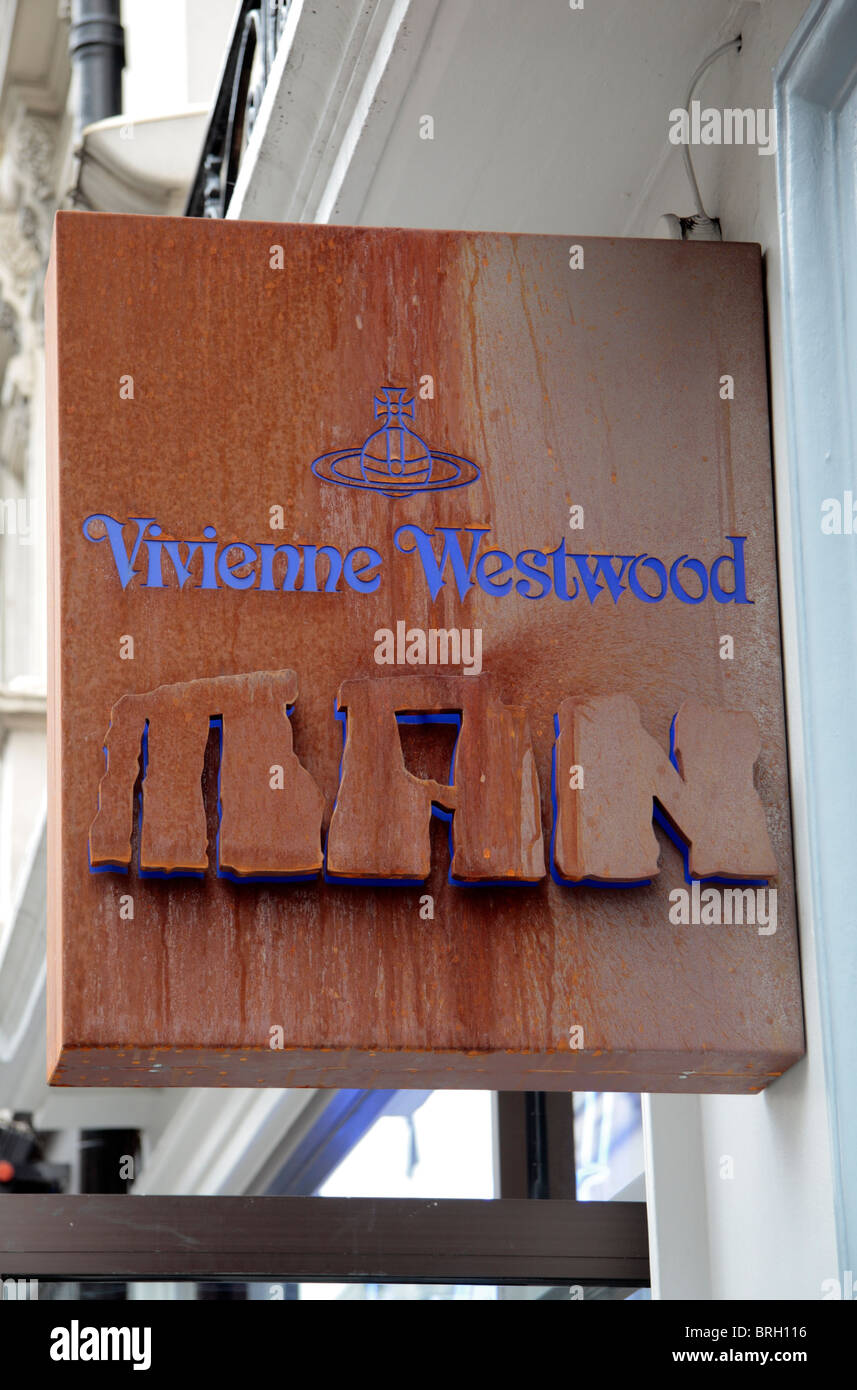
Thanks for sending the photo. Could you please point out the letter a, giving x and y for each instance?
(496, 830)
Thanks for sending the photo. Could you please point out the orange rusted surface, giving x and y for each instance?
(252, 389)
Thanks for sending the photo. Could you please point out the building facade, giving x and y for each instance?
(475, 114)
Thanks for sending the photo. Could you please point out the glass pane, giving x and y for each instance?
(441, 1147)
(608, 1146)
(230, 1290)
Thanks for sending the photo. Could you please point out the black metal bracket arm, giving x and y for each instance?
(252, 48)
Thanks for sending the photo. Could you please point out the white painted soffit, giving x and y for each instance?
(546, 119)
(338, 80)
(142, 166)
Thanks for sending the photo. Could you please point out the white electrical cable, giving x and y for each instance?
(703, 68)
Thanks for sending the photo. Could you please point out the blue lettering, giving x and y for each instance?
(525, 586)
(634, 583)
(698, 568)
(209, 551)
(116, 536)
(602, 568)
(154, 574)
(736, 559)
(229, 570)
(311, 552)
(486, 581)
(559, 556)
(293, 560)
(458, 562)
(451, 552)
(353, 574)
(182, 570)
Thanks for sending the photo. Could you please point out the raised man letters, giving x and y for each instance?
(263, 832)
(270, 826)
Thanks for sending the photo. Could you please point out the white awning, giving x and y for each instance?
(143, 166)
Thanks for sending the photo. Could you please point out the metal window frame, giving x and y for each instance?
(510, 1240)
(535, 1144)
(341, 1239)
(339, 1125)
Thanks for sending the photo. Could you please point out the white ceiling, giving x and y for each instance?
(569, 108)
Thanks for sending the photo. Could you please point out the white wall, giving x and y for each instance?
(770, 1227)
(209, 23)
(174, 50)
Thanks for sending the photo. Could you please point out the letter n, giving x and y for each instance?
(604, 830)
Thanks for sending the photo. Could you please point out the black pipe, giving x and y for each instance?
(96, 44)
(538, 1178)
(104, 1168)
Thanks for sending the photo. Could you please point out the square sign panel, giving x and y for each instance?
(416, 697)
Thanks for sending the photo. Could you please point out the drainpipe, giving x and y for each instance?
(96, 44)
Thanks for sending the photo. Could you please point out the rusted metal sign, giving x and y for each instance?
(416, 707)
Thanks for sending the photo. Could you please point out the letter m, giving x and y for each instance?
(604, 829)
(262, 833)
(739, 126)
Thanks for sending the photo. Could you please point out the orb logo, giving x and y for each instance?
(394, 459)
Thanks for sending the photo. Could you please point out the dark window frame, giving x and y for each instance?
(341, 1239)
(509, 1240)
